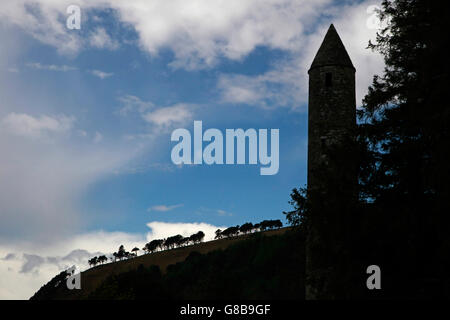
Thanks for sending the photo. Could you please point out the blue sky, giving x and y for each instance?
(120, 201)
(86, 117)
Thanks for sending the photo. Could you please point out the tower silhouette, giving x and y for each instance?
(332, 107)
(331, 163)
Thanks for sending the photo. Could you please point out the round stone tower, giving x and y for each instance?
(331, 163)
(332, 105)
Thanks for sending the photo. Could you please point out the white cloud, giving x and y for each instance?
(98, 137)
(101, 74)
(22, 273)
(200, 33)
(161, 230)
(160, 119)
(211, 211)
(279, 87)
(9, 256)
(101, 40)
(32, 262)
(43, 176)
(133, 104)
(352, 24)
(223, 213)
(50, 67)
(22, 124)
(286, 83)
(164, 208)
(64, 68)
(82, 133)
(44, 20)
(166, 117)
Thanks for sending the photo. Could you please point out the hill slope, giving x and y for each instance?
(198, 271)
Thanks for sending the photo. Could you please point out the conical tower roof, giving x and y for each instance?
(332, 52)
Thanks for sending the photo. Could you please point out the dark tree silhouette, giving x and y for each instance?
(264, 225)
(218, 234)
(197, 237)
(270, 224)
(159, 244)
(277, 224)
(93, 261)
(231, 232)
(102, 259)
(200, 236)
(178, 239)
(300, 204)
(404, 139)
(246, 227)
(172, 241)
(184, 241)
(166, 243)
(121, 253)
(153, 245)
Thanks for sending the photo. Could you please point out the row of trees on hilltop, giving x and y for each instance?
(248, 227)
(119, 255)
(123, 254)
(97, 260)
(168, 243)
(180, 241)
(173, 242)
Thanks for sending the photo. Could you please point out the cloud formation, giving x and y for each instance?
(164, 208)
(168, 117)
(201, 33)
(286, 83)
(101, 74)
(45, 169)
(132, 103)
(101, 40)
(25, 125)
(22, 273)
(160, 119)
(50, 67)
(161, 230)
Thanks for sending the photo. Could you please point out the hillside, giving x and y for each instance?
(265, 252)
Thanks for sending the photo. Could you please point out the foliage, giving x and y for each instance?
(49, 288)
(405, 115)
(180, 241)
(299, 202)
(403, 137)
(247, 228)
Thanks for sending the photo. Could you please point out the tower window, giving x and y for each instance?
(328, 80)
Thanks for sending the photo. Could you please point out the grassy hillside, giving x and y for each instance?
(262, 265)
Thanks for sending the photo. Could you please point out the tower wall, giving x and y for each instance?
(331, 119)
(332, 174)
